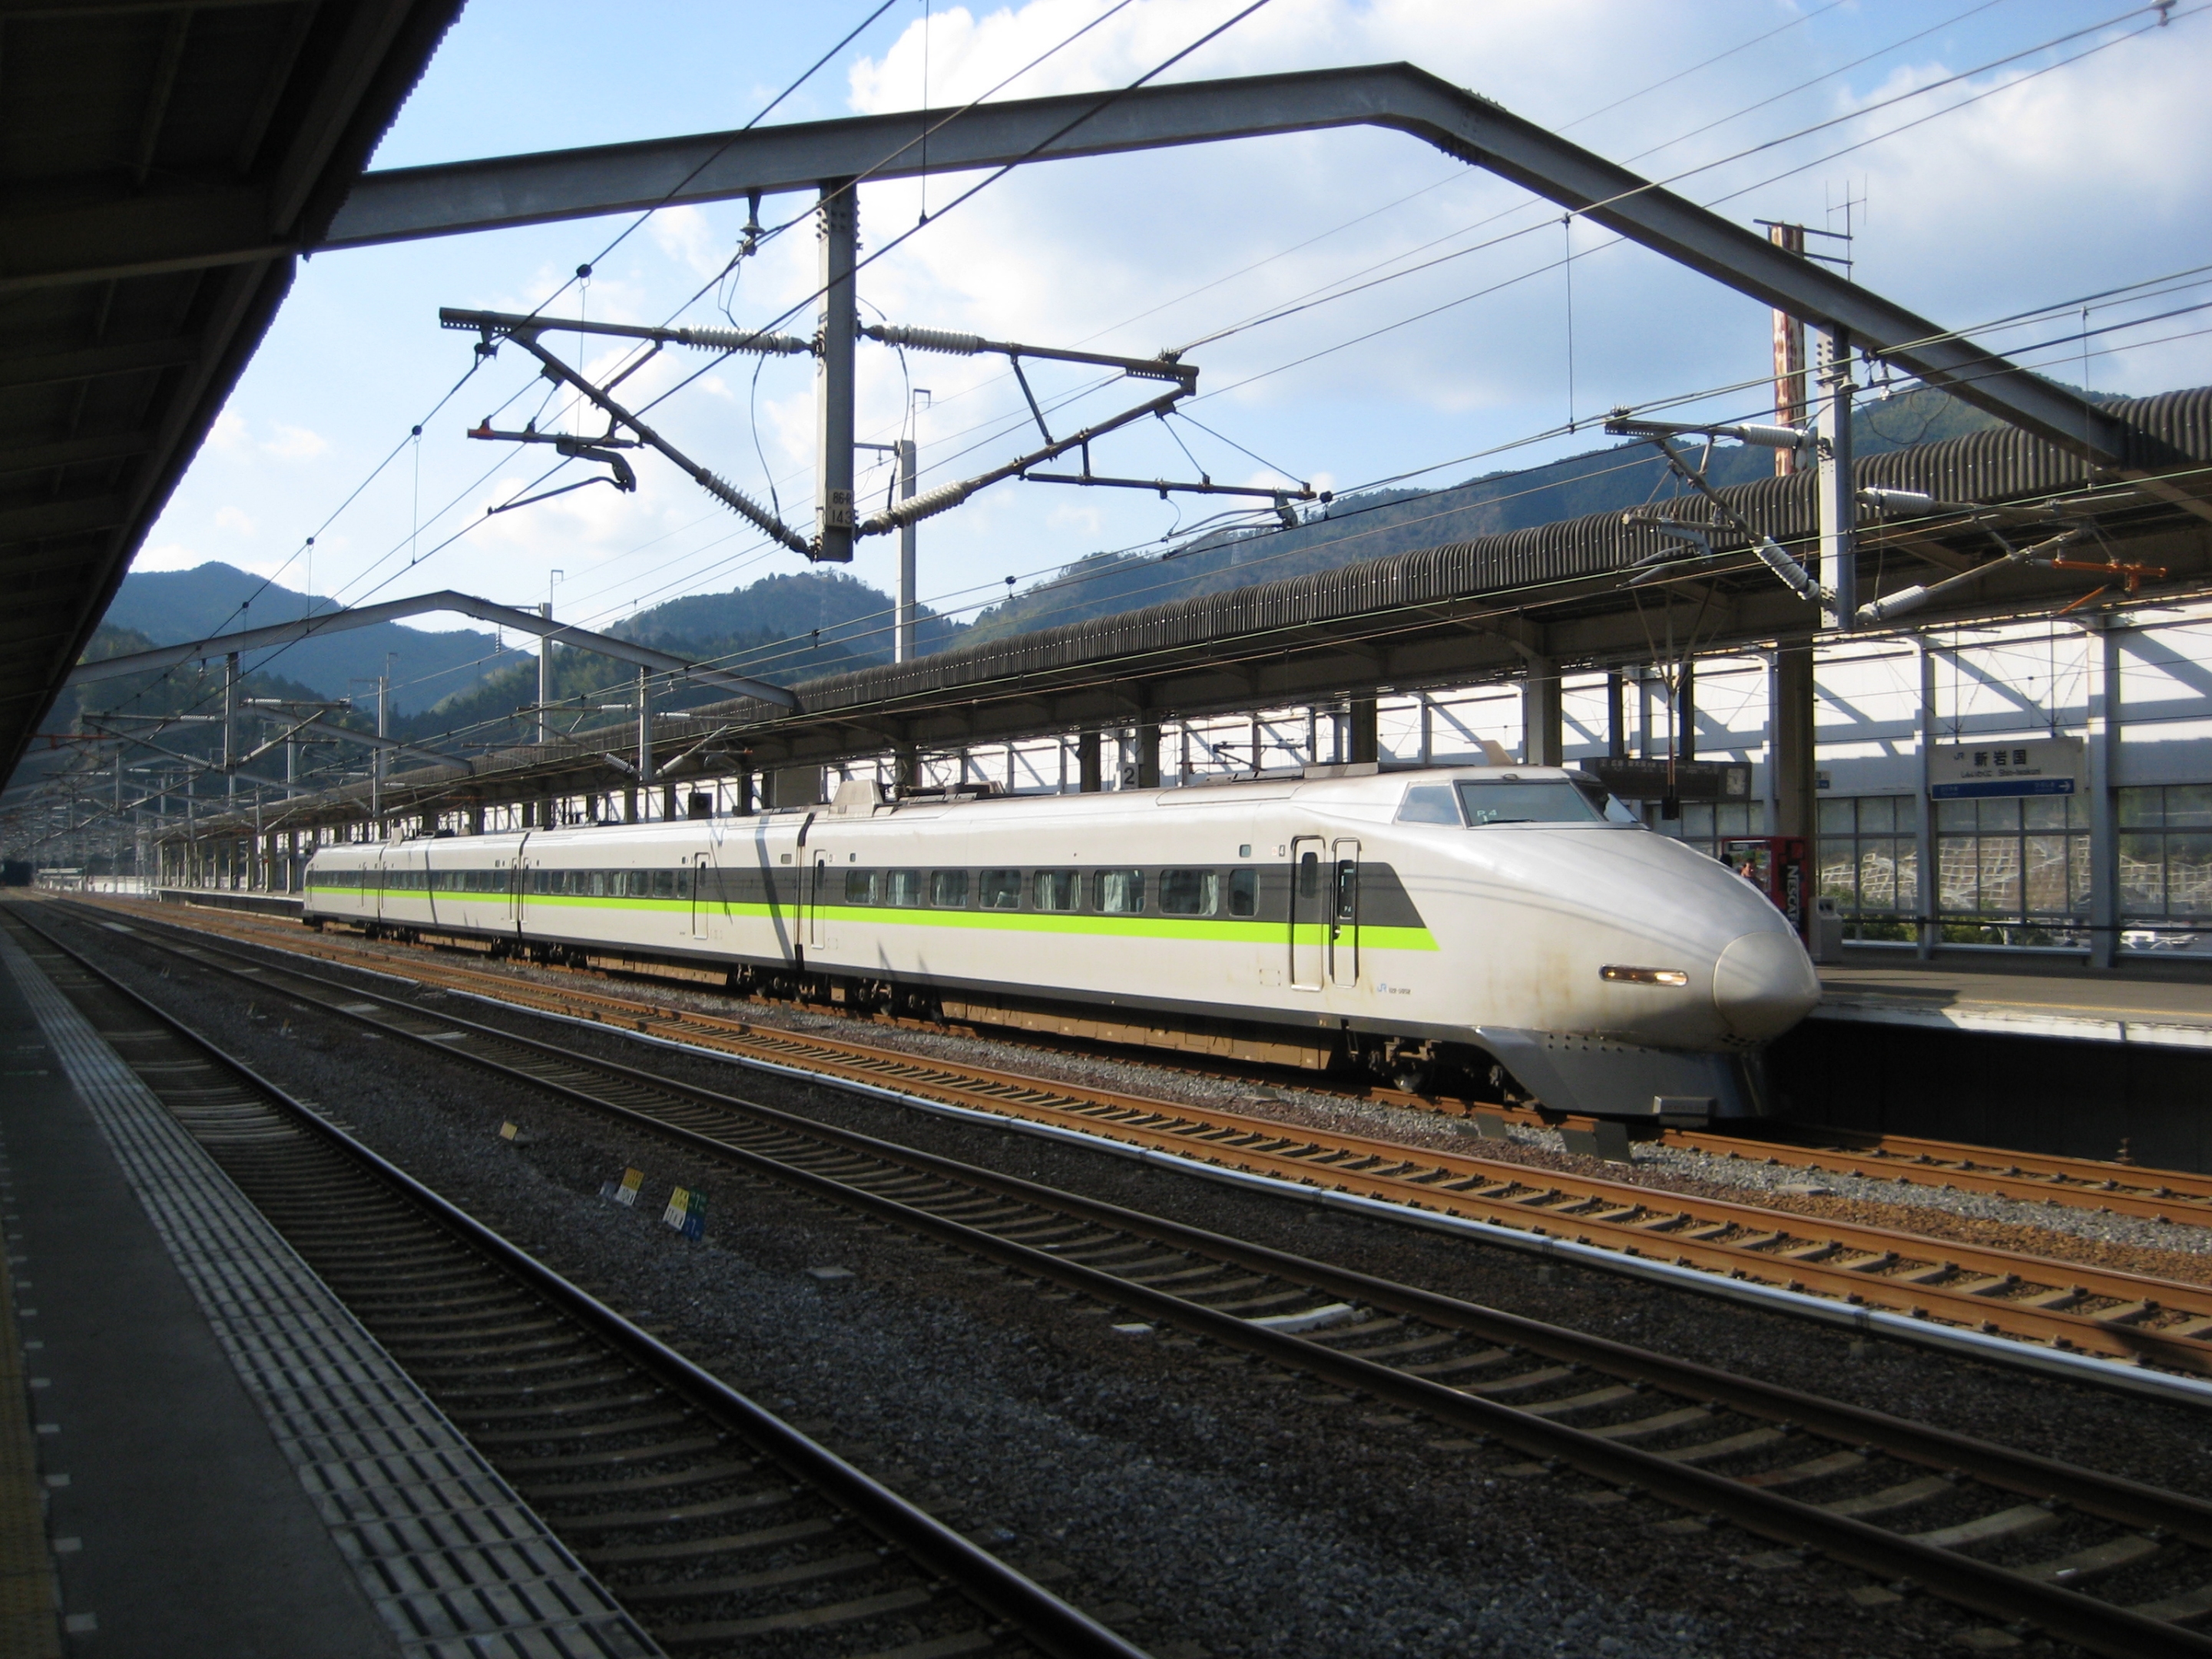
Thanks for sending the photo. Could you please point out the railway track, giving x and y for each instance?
(2063, 1304)
(2123, 1188)
(2113, 1565)
(718, 1527)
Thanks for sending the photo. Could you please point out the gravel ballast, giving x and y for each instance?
(1201, 1506)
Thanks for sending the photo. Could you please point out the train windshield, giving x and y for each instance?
(1531, 800)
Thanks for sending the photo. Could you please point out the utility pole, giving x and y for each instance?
(903, 645)
(376, 761)
(229, 725)
(644, 731)
(838, 222)
(545, 663)
(1788, 354)
(1838, 500)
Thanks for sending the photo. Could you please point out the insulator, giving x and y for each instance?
(941, 499)
(1897, 605)
(734, 339)
(928, 339)
(737, 499)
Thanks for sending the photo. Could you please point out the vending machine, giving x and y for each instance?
(1780, 867)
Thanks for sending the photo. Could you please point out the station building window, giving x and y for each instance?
(1000, 890)
(1118, 893)
(2012, 871)
(1705, 824)
(1189, 892)
(2166, 854)
(1868, 861)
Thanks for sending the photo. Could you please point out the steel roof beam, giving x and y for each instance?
(404, 203)
(525, 622)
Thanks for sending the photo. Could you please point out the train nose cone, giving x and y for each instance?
(1764, 984)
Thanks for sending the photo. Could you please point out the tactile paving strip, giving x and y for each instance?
(456, 1563)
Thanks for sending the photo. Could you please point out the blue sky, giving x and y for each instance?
(2034, 181)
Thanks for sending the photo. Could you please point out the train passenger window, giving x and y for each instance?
(999, 890)
(1429, 803)
(598, 884)
(948, 888)
(1118, 893)
(859, 887)
(903, 887)
(1310, 876)
(664, 885)
(1057, 890)
(1243, 892)
(1189, 892)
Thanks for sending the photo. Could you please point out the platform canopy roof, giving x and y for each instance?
(123, 122)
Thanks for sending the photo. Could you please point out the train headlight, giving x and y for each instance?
(1616, 973)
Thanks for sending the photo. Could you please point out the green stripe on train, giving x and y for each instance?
(1017, 921)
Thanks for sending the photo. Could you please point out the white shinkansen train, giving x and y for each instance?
(1506, 923)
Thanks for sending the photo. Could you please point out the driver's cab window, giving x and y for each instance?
(1430, 803)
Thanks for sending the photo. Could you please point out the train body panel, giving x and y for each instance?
(1608, 969)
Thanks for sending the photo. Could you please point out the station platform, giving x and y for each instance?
(2153, 1006)
(212, 1455)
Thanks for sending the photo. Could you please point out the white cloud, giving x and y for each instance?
(229, 435)
(295, 443)
(234, 521)
(168, 555)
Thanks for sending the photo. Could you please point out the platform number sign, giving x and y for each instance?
(686, 1212)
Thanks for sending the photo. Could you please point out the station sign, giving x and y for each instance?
(1695, 780)
(2019, 766)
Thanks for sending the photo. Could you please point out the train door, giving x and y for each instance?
(517, 885)
(1344, 915)
(702, 893)
(817, 897)
(1311, 905)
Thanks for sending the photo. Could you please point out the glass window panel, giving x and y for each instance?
(1959, 872)
(599, 884)
(2077, 812)
(664, 885)
(1000, 890)
(2189, 806)
(1243, 892)
(1877, 815)
(1878, 874)
(1696, 822)
(1908, 813)
(2045, 812)
(1189, 892)
(1907, 859)
(2188, 871)
(1757, 810)
(1733, 820)
(1310, 875)
(2142, 875)
(1429, 803)
(1120, 892)
(2143, 809)
(1537, 800)
(1837, 816)
(859, 887)
(2077, 867)
(948, 888)
(1347, 889)
(2000, 874)
(1955, 815)
(1999, 815)
(1839, 872)
(2046, 862)
(903, 887)
(1057, 890)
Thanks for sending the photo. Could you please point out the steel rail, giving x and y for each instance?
(1778, 1246)
(1993, 1590)
(1041, 1617)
